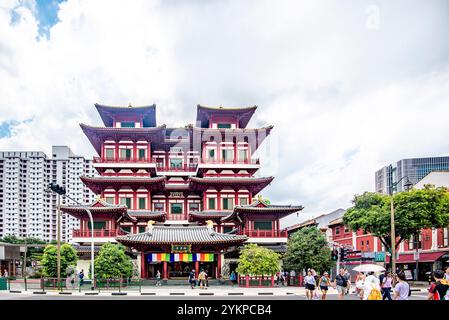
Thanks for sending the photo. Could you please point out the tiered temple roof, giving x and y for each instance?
(98, 184)
(98, 206)
(107, 113)
(252, 184)
(259, 207)
(243, 114)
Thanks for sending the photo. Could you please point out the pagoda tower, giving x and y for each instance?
(179, 198)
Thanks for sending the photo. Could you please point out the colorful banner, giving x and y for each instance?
(184, 257)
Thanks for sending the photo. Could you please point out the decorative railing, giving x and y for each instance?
(121, 160)
(176, 216)
(234, 161)
(186, 167)
(99, 233)
(265, 233)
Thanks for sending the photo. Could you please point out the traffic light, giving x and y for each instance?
(56, 188)
(342, 254)
(334, 255)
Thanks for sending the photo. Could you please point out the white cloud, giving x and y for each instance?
(344, 99)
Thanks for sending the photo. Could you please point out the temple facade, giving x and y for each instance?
(179, 198)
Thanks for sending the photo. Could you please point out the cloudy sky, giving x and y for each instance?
(350, 86)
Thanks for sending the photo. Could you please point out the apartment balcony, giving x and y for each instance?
(265, 233)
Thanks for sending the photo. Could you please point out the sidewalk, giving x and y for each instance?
(166, 291)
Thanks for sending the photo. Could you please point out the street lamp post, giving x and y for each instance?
(407, 186)
(61, 191)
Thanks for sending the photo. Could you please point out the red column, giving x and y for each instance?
(116, 151)
(218, 265)
(165, 275)
(143, 273)
(134, 205)
(197, 266)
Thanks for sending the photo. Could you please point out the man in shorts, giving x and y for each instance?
(340, 282)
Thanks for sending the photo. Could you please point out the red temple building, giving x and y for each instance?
(179, 198)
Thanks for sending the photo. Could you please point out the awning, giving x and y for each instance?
(423, 257)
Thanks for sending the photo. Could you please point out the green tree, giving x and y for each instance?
(413, 210)
(112, 262)
(308, 248)
(257, 261)
(50, 260)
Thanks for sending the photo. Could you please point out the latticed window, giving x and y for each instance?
(126, 202)
(262, 225)
(211, 203)
(97, 225)
(176, 208)
(142, 203)
(141, 154)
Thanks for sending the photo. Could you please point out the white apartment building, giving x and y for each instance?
(26, 209)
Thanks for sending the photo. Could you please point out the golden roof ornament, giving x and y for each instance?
(210, 224)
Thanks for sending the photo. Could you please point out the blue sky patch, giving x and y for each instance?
(47, 14)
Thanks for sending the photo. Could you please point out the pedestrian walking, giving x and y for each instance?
(310, 284)
(233, 278)
(402, 288)
(202, 279)
(359, 284)
(348, 281)
(439, 288)
(324, 284)
(386, 285)
(192, 280)
(158, 278)
(446, 275)
(81, 277)
(340, 283)
(371, 287)
(206, 280)
(5, 274)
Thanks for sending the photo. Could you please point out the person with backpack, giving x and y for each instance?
(340, 283)
(439, 288)
(192, 280)
(402, 288)
(202, 279)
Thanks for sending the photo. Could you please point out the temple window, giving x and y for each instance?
(126, 201)
(176, 163)
(141, 229)
(227, 154)
(227, 229)
(176, 208)
(125, 154)
(109, 154)
(195, 206)
(228, 203)
(243, 155)
(158, 206)
(126, 229)
(110, 200)
(97, 225)
(243, 201)
(211, 154)
(262, 225)
(142, 203)
(141, 154)
(128, 124)
(211, 203)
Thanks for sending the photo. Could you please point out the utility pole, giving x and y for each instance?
(58, 221)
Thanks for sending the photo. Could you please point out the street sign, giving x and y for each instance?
(379, 256)
(416, 256)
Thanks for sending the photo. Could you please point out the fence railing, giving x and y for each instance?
(256, 281)
(265, 233)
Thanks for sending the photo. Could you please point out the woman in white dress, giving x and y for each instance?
(371, 282)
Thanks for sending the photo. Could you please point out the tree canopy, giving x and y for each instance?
(112, 262)
(257, 261)
(413, 210)
(308, 248)
(50, 260)
(16, 240)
